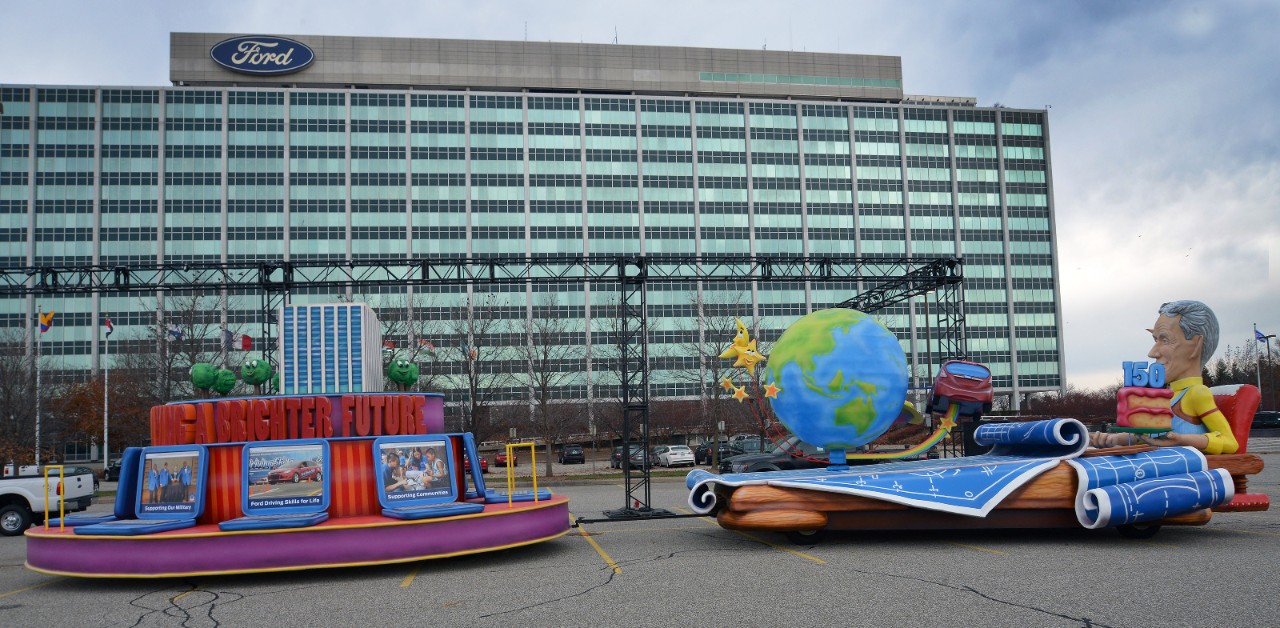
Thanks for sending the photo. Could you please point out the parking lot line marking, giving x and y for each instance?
(781, 547)
(760, 540)
(599, 550)
(34, 586)
(182, 595)
(980, 549)
(408, 580)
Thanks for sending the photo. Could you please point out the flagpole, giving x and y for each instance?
(106, 385)
(39, 341)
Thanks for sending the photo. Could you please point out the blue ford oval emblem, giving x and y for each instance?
(262, 54)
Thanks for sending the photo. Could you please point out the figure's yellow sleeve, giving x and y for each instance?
(1199, 402)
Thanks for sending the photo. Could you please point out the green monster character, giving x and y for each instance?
(402, 372)
(203, 375)
(226, 381)
(256, 372)
(275, 381)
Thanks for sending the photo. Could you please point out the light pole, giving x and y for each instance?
(106, 386)
(1271, 369)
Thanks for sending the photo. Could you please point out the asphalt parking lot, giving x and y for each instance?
(689, 571)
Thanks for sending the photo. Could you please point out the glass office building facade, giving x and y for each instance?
(212, 173)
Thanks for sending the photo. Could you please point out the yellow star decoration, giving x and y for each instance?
(726, 383)
(740, 394)
(743, 350)
(947, 422)
(771, 391)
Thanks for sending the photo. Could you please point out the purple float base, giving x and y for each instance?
(350, 541)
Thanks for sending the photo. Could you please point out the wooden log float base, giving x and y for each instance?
(780, 520)
(1046, 501)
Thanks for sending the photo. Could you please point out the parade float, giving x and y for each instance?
(837, 379)
(334, 472)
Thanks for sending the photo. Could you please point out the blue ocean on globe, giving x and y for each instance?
(842, 378)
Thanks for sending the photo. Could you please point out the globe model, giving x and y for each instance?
(841, 378)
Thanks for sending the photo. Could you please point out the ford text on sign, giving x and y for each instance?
(261, 54)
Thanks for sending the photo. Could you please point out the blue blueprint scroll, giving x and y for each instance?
(1055, 438)
(968, 486)
(1119, 490)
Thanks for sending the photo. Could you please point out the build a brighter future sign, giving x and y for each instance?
(215, 421)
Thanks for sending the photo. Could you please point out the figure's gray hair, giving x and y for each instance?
(1197, 320)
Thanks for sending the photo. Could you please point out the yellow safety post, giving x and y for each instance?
(62, 502)
(511, 470)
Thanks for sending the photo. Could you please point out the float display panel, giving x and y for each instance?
(414, 470)
(171, 482)
(285, 477)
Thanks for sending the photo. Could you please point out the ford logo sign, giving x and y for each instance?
(262, 55)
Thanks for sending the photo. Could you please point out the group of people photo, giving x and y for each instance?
(413, 468)
(168, 482)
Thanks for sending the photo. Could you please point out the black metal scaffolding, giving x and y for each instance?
(881, 281)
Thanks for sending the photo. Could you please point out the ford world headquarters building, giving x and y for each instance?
(381, 147)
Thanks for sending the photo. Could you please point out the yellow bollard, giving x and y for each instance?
(62, 502)
(511, 470)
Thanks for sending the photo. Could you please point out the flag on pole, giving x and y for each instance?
(228, 340)
(46, 321)
(427, 346)
(1259, 336)
(174, 332)
(106, 322)
(246, 343)
(387, 344)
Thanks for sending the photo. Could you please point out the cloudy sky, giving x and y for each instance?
(1163, 115)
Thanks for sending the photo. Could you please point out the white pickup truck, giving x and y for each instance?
(22, 498)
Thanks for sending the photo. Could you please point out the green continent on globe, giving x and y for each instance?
(841, 377)
(808, 337)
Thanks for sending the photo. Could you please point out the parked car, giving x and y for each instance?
(295, 472)
(22, 497)
(484, 463)
(615, 460)
(112, 472)
(747, 446)
(780, 459)
(673, 456)
(1266, 420)
(641, 459)
(500, 459)
(70, 471)
(573, 454)
(703, 454)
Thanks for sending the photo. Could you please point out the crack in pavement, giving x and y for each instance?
(608, 579)
(1084, 621)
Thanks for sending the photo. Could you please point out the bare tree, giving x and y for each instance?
(713, 327)
(480, 346)
(412, 323)
(188, 330)
(552, 360)
(17, 403)
(1247, 365)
